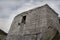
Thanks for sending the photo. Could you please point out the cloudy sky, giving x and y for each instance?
(10, 8)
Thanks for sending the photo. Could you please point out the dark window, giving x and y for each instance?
(49, 27)
(18, 23)
(23, 19)
(59, 20)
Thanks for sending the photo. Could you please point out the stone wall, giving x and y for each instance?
(34, 24)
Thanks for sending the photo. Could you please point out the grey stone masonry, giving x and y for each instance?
(41, 23)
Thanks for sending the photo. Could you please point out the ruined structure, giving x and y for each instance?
(41, 23)
(3, 35)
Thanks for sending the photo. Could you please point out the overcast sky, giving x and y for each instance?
(10, 8)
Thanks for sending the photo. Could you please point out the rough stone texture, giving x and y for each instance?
(41, 23)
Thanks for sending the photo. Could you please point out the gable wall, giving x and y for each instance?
(52, 19)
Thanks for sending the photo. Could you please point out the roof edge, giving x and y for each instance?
(52, 9)
(3, 31)
(38, 8)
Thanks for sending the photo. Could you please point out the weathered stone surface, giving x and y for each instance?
(37, 24)
(49, 34)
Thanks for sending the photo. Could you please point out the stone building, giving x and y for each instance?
(41, 23)
(3, 35)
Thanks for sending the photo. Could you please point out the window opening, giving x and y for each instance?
(18, 23)
(23, 19)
